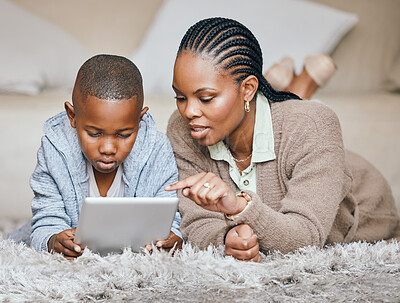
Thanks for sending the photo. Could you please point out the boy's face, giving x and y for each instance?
(106, 129)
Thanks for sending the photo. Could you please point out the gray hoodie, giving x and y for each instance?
(59, 181)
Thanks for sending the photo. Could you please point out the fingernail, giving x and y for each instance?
(77, 249)
(159, 244)
(245, 243)
(167, 187)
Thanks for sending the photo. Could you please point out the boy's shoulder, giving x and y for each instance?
(150, 130)
(55, 122)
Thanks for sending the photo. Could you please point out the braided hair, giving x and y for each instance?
(233, 47)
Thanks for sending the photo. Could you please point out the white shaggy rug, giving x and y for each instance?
(358, 272)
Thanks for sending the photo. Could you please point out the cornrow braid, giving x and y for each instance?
(234, 48)
(209, 29)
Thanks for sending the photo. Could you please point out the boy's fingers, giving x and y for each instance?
(69, 248)
(170, 241)
(59, 248)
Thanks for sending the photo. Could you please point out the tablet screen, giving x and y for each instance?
(109, 224)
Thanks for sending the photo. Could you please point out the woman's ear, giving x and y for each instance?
(249, 87)
(69, 108)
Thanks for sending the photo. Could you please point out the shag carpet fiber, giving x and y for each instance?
(356, 272)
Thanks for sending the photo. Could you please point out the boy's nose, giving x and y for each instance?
(108, 146)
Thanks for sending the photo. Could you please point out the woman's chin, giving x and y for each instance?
(207, 141)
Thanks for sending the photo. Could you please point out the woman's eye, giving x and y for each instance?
(180, 99)
(205, 100)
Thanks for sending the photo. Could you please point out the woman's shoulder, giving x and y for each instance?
(177, 128)
(306, 119)
(313, 108)
(175, 121)
(302, 112)
(182, 142)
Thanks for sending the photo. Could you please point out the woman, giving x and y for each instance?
(260, 169)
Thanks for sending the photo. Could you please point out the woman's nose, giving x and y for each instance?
(192, 109)
(108, 146)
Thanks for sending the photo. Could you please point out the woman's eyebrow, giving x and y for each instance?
(175, 89)
(203, 89)
(197, 91)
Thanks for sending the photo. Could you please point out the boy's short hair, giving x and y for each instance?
(110, 77)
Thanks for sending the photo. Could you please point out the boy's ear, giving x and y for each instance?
(144, 110)
(249, 87)
(69, 108)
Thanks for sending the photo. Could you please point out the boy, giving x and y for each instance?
(105, 144)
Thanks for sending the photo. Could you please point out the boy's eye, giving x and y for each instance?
(93, 134)
(124, 136)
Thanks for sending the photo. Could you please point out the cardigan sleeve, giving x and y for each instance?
(199, 226)
(313, 170)
(48, 209)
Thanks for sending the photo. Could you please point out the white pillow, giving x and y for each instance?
(283, 27)
(35, 54)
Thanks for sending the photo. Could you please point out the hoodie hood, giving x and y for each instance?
(64, 138)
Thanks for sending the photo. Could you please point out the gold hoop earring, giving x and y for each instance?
(247, 106)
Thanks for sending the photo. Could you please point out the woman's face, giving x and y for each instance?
(209, 100)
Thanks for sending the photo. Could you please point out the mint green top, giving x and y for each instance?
(263, 148)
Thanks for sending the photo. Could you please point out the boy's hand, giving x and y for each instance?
(63, 243)
(242, 244)
(168, 243)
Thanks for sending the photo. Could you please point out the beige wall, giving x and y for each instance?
(100, 25)
(364, 57)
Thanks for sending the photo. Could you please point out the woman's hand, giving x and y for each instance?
(211, 193)
(242, 244)
(168, 243)
(63, 243)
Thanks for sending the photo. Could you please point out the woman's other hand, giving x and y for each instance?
(242, 244)
(168, 243)
(63, 243)
(211, 193)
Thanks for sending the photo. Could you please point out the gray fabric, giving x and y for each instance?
(357, 272)
(60, 178)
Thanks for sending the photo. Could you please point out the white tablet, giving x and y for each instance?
(109, 224)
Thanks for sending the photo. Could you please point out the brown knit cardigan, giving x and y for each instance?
(313, 193)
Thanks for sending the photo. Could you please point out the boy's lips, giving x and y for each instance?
(106, 165)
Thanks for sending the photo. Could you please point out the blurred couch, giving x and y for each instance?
(362, 92)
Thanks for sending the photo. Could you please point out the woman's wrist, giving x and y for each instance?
(244, 200)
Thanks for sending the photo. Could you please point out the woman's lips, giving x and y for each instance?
(199, 132)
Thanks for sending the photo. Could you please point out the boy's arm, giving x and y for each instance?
(48, 209)
(168, 173)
